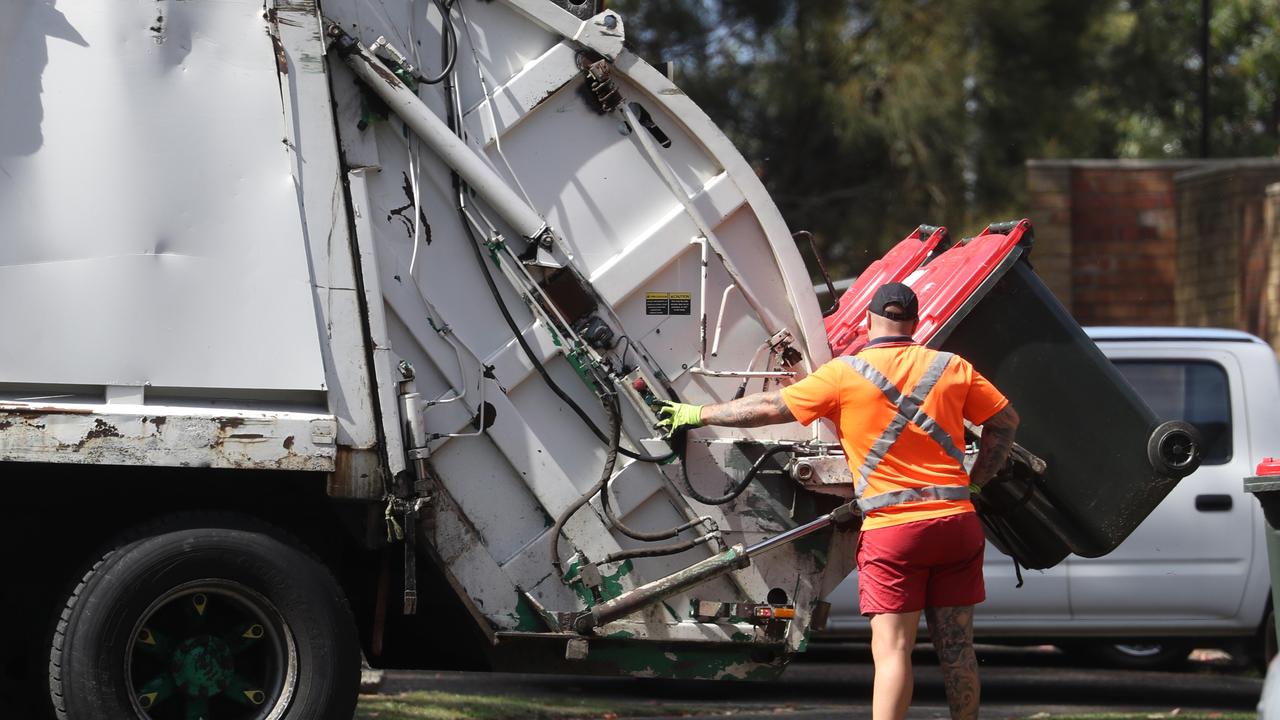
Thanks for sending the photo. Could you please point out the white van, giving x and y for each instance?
(1194, 573)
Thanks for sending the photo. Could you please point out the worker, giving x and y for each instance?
(900, 409)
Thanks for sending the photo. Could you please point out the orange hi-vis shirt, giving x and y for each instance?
(863, 414)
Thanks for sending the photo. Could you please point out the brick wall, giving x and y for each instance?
(1105, 237)
(1193, 242)
(1226, 250)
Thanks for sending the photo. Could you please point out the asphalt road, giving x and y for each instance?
(834, 681)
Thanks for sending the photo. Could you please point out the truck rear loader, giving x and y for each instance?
(335, 328)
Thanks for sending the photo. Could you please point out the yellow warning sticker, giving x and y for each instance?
(668, 303)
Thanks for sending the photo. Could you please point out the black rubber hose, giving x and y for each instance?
(738, 487)
(602, 487)
(615, 427)
(653, 552)
(449, 43)
(610, 459)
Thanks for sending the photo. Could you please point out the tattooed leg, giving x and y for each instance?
(952, 632)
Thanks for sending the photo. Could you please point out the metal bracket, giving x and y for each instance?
(603, 33)
(602, 85)
(576, 649)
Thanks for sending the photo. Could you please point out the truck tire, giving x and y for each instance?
(224, 623)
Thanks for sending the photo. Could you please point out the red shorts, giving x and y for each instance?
(926, 563)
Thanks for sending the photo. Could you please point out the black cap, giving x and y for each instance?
(895, 294)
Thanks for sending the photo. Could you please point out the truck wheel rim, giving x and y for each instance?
(211, 650)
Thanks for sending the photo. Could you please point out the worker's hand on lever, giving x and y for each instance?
(763, 408)
(675, 417)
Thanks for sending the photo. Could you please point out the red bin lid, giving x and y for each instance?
(846, 328)
(1269, 466)
(948, 286)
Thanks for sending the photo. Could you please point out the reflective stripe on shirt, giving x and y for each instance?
(909, 410)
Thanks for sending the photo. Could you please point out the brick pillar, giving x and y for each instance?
(1049, 209)
(1226, 246)
(1271, 237)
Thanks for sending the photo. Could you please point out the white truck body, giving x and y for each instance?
(226, 254)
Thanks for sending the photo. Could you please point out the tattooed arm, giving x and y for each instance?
(994, 447)
(766, 408)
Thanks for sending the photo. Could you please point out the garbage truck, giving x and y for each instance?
(335, 329)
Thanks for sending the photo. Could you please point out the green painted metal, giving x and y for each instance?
(191, 644)
(527, 618)
(672, 611)
(202, 665)
(683, 661)
(610, 587)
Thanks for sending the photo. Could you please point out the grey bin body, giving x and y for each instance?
(1078, 414)
(1266, 488)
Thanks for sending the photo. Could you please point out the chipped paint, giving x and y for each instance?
(157, 29)
(161, 436)
(526, 617)
(611, 586)
(282, 61)
(423, 226)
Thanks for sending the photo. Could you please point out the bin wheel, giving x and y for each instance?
(221, 623)
(1174, 449)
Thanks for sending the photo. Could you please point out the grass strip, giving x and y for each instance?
(1171, 715)
(430, 705)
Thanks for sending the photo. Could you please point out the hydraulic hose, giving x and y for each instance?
(602, 487)
(449, 43)
(615, 426)
(737, 487)
(610, 459)
(671, 549)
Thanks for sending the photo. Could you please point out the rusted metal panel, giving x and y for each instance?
(166, 436)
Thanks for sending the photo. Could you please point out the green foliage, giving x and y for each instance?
(866, 118)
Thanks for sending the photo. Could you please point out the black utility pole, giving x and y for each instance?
(1204, 78)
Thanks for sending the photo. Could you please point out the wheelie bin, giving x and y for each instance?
(1265, 486)
(1101, 460)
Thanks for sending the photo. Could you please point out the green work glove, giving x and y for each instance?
(674, 416)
